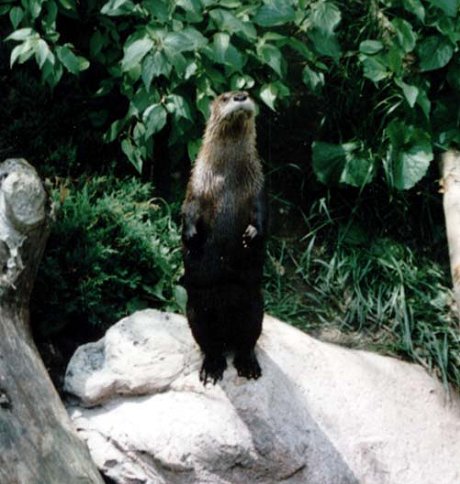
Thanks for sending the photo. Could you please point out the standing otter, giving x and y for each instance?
(224, 223)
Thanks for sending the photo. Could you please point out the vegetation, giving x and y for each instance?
(114, 249)
(377, 292)
(356, 100)
(170, 58)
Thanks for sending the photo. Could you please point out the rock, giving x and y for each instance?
(320, 414)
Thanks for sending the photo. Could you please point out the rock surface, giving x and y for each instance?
(320, 414)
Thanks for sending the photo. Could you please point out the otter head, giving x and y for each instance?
(232, 114)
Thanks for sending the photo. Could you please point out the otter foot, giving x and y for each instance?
(213, 369)
(249, 235)
(246, 365)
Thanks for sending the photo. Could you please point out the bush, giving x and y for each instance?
(112, 250)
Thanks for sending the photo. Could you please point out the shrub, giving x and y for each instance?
(112, 250)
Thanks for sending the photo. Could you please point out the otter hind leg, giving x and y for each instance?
(246, 333)
(203, 317)
(246, 365)
(213, 368)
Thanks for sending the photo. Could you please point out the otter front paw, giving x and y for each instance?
(213, 369)
(249, 234)
(246, 365)
(189, 232)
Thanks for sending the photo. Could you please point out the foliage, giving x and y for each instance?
(398, 92)
(112, 250)
(389, 66)
(383, 290)
(170, 58)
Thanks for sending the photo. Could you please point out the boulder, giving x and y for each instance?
(320, 414)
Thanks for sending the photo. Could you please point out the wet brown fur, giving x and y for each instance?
(223, 264)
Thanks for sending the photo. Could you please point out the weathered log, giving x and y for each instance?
(37, 442)
(450, 183)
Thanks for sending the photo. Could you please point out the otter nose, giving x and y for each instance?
(240, 97)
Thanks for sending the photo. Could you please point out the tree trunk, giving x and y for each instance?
(450, 169)
(37, 442)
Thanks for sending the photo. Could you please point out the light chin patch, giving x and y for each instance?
(234, 107)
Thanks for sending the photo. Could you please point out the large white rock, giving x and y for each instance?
(320, 414)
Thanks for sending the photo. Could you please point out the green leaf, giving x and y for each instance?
(411, 165)
(16, 15)
(312, 79)
(272, 56)
(449, 7)
(424, 102)
(159, 9)
(415, 7)
(49, 20)
(410, 92)
(325, 16)
(241, 81)
(358, 171)
(406, 36)
(274, 12)
(193, 9)
(68, 5)
(325, 44)
(434, 52)
(374, 68)
(96, 43)
(221, 42)
(227, 22)
(177, 41)
(301, 48)
(178, 61)
(186, 40)
(223, 52)
(180, 296)
(43, 53)
(203, 104)
(135, 52)
(270, 93)
(370, 46)
(73, 63)
(154, 118)
(22, 34)
(22, 52)
(394, 59)
(342, 163)
(193, 147)
(34, 8)
(409, 154)
(51, 73)
(178, 106)
(115, 129)
(191, 70)
(114, 8)
(218, 80)
(133, 154)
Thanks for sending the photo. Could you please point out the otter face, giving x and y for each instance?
(232, 105)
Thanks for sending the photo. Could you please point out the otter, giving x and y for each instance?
(224, 225)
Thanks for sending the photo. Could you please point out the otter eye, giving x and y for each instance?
(225, 98)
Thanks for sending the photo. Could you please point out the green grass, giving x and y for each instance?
(380, 293)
